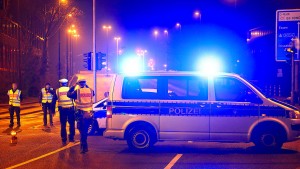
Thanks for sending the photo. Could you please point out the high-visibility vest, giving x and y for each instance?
(84, 99)
(14, 97)
(62, 99)
(46, 97)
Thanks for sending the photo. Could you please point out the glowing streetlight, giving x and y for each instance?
(166, 32)
(141, 52)
(178, 26)
(107, 28)
(62, 2)
(117, 40)
(155, 33)
(72, 32)
(197, 15)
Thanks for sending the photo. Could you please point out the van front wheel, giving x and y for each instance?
(268, 140)
(140, 138)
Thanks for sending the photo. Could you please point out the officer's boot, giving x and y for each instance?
(83, 148)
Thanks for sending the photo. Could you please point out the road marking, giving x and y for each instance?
(45, 155)
(173, 161)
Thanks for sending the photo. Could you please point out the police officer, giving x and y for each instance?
(15, 98)
(46, 97)
(66, 111)
(83, 96)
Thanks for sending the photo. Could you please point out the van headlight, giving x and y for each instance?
(294, 114)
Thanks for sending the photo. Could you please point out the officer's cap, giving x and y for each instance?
(63, 80)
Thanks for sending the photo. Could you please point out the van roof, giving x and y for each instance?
(176, 73)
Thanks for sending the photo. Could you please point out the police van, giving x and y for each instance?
(190, 106)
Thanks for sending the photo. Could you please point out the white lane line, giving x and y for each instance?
(45, 155)
(173, 161)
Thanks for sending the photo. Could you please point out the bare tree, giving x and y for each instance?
(54, 15)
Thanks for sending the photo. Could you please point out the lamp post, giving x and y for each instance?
(117, 41)
(166, 33)
(155, 33)
(142, 53)
(178, 26)
(107, 28)
(71, 32)
(60, 2)
(76, 36)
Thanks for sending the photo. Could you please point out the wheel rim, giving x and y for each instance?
(141, 139)
(268, 140)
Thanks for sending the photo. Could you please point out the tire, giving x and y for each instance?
(140, 138)
(93, 127)
(269, 139)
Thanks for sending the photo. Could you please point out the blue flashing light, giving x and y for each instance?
(132, 66)
(210, 65)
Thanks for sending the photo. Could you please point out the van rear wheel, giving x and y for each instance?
(268, 140)
(140, 138)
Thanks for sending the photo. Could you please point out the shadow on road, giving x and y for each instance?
(190, 149)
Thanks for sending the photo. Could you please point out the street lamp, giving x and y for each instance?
(60, 2)
(142, 53)
(117, 40)
(72, 32)
(178, 26)
(197, 15)
(107, 28)
(155, 33)
(166, 32)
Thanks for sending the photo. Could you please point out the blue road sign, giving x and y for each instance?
(287, 30)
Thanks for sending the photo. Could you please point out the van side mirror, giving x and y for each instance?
(106, 94)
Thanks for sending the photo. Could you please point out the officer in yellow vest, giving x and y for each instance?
(66, 111)
(83, 96)
(46, 97)
(15, 98)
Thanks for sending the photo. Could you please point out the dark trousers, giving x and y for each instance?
(12, 110)
(47, 109)
(67, 115)
(83, 125)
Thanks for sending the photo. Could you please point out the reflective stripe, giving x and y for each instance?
(14, 98)
(46, 96)
(84, 99)
(62, 99)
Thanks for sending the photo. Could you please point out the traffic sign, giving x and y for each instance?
(287, 32)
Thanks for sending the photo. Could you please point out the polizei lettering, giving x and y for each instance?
(184, 111)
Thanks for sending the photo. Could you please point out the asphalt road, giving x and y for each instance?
(37, 148)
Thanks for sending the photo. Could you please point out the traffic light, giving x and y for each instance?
(87, 58)
(100, 60)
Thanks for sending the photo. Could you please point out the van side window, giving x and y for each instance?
(231, 89)
(140, 88)
(187, 88)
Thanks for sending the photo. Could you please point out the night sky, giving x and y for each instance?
(223, 27)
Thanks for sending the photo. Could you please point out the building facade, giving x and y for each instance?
(20, 48)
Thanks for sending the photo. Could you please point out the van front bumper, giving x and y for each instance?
(295, 127)
(114, 134)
